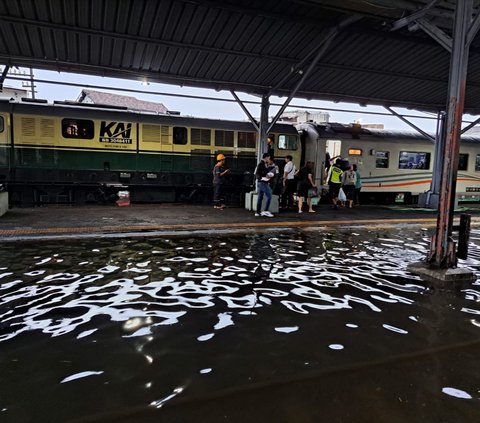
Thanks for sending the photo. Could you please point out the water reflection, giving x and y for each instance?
(143, 323)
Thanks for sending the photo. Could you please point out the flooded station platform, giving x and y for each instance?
(220, 316)
(61, 221)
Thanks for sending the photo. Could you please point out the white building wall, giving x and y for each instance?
(15, 93)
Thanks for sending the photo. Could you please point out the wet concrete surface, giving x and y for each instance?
(98, 219)
(317, 324)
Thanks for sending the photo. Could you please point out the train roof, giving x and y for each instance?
(74, 110)
(341, 130)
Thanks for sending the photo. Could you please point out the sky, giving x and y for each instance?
(210, 108)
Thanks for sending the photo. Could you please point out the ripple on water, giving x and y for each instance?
(287, 329)
(336, 347)
(395, 329)
(457, 393)
(206, 337)
(81, 375)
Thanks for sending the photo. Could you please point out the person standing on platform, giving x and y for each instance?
(349, 178)
(334, 180)
(289, 185)
(358, 186)
(305, 182)
(219, 177)
(264, 173)
(270, 151)
(275, 180)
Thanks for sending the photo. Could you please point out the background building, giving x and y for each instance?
(131, 103)
(302, 116)
(15, 93)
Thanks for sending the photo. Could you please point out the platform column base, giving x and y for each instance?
(443, 277)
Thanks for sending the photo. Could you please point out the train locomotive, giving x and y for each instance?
(68, 152)
(76, 153)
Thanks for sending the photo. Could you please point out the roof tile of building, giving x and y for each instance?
(131, 103)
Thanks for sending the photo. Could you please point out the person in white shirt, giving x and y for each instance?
(349, 179)
(289, 184)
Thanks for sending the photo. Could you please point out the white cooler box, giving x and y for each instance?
(251, 202)
(3, 202)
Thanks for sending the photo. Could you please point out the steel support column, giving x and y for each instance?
(439, 158)
(263, 127)
(3, 76)
(442, 250)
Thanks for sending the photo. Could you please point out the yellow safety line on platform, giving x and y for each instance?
(206, 226)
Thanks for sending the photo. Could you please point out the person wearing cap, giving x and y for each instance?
(264, 173)
(219, 176)
(270, 150)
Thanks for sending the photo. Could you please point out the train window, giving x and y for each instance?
(246, 140)
(179, 135)
(463, 162)
(75, 128)
(224, 138)
(382, 159)
(414, 160)
(287, 142)
(354, 152)
(477, 162)
(2, 124)
(200, 136)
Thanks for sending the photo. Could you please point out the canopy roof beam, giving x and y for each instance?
(332, 33)
(414, 16)
(245, 110)
(4, 76)
(403, 119)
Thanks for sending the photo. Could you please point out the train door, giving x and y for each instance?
(4, 146)
(334, 147)
(167, 161)
(156, 148)
(319, 161)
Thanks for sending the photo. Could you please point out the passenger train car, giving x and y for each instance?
(395, 166)
(70, 153)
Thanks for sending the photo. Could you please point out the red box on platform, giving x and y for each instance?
(123, 198)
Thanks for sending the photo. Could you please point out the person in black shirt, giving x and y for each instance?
(305, 182)
(264, 173)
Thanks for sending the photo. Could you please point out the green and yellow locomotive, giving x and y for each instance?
(75, 153)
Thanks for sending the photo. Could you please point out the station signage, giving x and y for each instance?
(115, 132)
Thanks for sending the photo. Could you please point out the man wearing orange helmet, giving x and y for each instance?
(219, 172)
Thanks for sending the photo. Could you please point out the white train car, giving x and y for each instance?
(396, 166)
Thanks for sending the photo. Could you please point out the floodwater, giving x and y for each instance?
(285, 326)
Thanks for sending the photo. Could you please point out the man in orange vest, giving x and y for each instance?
(219, 172)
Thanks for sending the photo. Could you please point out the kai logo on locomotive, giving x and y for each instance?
(115, 132)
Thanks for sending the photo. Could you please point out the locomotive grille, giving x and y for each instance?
(28, 127)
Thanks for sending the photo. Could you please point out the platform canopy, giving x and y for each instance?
(367, 52)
